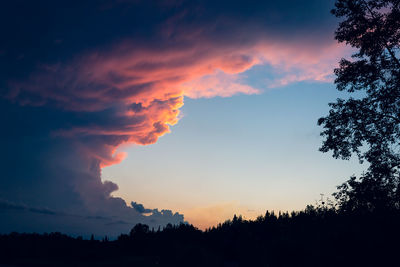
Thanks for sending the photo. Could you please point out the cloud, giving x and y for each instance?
(78, 80)
(140, 208)
(53, 183)
(216, 84)
(7, 205)
(133, 94)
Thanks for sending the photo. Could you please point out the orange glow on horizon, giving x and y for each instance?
(209, 216)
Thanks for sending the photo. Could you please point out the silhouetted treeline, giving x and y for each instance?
(319, 236)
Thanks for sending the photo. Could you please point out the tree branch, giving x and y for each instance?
(385, 45)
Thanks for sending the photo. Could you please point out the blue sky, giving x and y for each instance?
(244, 154)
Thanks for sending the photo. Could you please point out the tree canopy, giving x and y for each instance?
(367, 124)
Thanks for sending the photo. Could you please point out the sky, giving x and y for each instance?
(120, 112)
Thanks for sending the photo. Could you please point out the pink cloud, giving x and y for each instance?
(144, 87)
(216, 84)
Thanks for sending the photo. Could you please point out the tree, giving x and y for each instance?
(367, 124)
(139, 230)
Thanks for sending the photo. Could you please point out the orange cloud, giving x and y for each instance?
(141, 89)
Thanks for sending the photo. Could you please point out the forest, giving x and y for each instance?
(316, 236)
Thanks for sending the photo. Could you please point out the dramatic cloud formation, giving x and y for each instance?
(80, 79)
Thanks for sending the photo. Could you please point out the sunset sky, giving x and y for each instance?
(119, 112)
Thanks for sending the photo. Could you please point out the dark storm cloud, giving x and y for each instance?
(6, 205)
(40, 169)
(80, 78)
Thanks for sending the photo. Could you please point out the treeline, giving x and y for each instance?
(316, 236)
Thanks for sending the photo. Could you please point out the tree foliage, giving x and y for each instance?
(368, 123)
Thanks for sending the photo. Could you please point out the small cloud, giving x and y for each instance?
(140, 208)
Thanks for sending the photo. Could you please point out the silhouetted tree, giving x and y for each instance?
(368, 124)
(139, 230)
